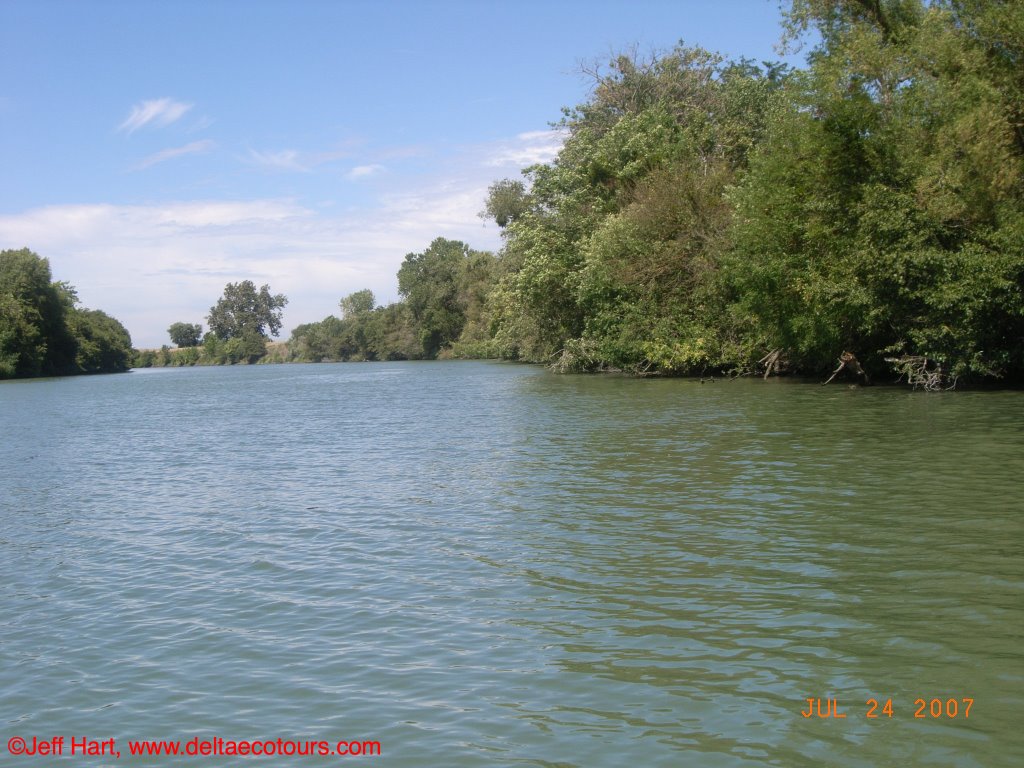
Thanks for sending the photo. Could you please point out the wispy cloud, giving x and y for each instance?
(156, 112)
(201, 124)
(364, 171)
(167, 154)
(297, 161)
(404, 152)
(284, 160)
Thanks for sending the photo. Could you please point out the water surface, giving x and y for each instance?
(483, 564)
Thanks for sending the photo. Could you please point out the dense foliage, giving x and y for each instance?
(444, 288)
(703, 213)
(616, 261)
(239, 322)
(364, 332)
(186, 334)
(43, 331)
(884, 211)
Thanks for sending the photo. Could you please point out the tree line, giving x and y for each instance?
(444, 290)
(705, 215)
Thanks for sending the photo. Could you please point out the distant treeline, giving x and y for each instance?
(444, 291)
(43, 331)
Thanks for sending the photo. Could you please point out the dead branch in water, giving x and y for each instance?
(772, 363)
(849, 361)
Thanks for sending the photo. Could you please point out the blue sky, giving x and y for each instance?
(156, 151)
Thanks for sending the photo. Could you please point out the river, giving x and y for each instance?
(476, 564)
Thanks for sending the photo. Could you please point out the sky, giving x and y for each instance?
(154, 152)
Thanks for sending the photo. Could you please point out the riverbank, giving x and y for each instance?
(180, 357)
(279, 352)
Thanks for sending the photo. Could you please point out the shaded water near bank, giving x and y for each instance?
(484, 564)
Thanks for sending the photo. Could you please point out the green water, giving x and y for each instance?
(481, 564)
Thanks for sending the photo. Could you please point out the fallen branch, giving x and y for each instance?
(772, 362)
(849, 361)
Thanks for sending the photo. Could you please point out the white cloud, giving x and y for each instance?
(158, 112)
(167, 154)
(528, 148)
(150, 266)
(364, 171)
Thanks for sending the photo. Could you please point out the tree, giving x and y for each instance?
(430, 283)
(186, 334)
(104, 345)
(358, 303)
(506, 202)
(244, 312)
(20, 351)
(390, 334)
(44, 333)
(33, 323)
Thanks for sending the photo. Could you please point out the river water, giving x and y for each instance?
(478, 564)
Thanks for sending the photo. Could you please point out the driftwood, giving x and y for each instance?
(849, 361)
(772, 362)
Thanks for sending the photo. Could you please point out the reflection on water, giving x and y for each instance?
(482, 564)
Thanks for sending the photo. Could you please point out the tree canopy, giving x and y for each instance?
(506, 201)
(436, 286)
(42, 330)
(703, 214)
(186, 334)
(884, 211)
(244, 311)
(356, 304)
